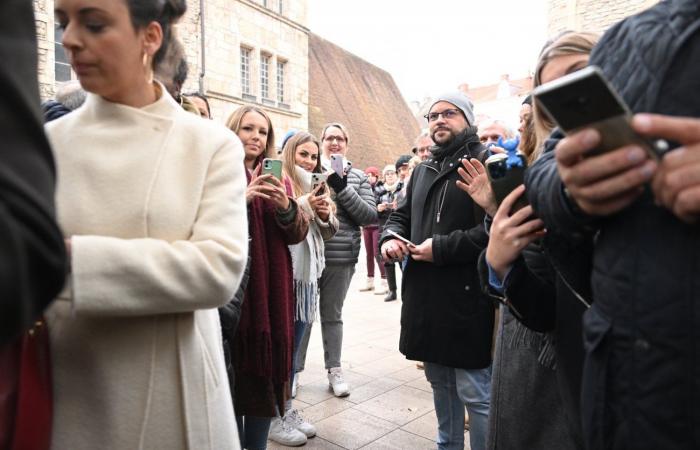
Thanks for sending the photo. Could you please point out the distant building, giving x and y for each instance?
(347, 89)
(239, 52)
(591, 15)
(500, 100)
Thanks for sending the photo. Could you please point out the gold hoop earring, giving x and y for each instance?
(145, 59)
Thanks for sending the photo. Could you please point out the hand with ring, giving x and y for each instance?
(394, 250)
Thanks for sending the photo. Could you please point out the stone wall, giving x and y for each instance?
(591, 15)
(228, 24)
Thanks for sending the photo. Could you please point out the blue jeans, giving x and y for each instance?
(299, 331)
(452, 390)
(253, 431)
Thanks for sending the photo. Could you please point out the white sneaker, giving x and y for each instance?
(295, 419)
(295, 384)
(383, 288)
(284, 433)
(369, 286)
(337, 384)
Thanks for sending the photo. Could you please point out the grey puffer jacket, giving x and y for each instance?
(356, 208)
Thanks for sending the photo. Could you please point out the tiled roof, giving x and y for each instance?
(347, 89)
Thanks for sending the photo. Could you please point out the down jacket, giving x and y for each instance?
(356, 208)
(641, 387)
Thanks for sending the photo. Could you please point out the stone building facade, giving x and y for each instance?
(238, 51)
(591, 15)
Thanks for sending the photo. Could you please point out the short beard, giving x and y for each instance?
(447, 142)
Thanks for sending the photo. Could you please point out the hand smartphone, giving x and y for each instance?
(505, 179)
(316, 179)
(272, 166)
(337, 165)
(585, 99)
(400, 238)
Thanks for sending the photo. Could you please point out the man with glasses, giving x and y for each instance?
(446, 321)
(423, 145)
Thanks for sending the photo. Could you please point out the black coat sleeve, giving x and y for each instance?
(460, 246)
(400, 219)
(530, 292)
(32, 254)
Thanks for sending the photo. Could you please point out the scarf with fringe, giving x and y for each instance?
(308, 259)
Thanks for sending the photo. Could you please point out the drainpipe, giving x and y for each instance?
(203, 56)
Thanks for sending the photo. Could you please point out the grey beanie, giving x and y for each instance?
(461, 101)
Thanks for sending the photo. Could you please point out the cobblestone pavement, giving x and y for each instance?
(390, 405)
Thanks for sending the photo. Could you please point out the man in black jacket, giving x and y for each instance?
(641, 382)
(32, 253)
(446, 321)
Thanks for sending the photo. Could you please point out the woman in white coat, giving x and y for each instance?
(151, 201)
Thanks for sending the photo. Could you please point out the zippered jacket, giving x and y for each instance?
(445, 317)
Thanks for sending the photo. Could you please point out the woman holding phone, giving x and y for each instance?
(263, 348)
(539, 338)
(302, 165)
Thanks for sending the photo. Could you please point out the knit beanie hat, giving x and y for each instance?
(461, 101)
(388, 168)
(402, 161)
(372, 170)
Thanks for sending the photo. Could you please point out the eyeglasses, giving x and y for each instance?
(338, 139)
(423, 149)
(446, 114)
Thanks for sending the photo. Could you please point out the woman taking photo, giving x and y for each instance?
(301, 159)
(539, 338)
(355, 203)
(263, 345)
(150, 200)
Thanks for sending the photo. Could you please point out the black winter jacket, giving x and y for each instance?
(641, 386)
(445, 317)
(356, 208)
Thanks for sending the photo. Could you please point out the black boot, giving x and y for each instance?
(390, 270)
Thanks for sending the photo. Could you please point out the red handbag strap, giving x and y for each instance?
(34, 405)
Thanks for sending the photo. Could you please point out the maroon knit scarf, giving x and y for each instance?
(265, 336)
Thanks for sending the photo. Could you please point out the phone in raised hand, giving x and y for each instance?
(585, 99)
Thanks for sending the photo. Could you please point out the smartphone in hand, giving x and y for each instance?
(316, 180)
(273, 167)
(400, 238)
(505, 178)
(585, 99)
(337, 165)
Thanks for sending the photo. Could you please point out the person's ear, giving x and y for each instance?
(152, 39)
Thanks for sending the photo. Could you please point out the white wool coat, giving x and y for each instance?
(153, 200)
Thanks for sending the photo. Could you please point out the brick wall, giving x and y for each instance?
(591, 15)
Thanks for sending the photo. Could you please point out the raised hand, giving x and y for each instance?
(476, 184)
(511, 234)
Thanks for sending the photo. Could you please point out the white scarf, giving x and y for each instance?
(308, 259)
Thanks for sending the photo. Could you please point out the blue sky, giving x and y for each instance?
(434, 45)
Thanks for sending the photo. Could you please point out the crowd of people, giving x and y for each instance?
(161, 273)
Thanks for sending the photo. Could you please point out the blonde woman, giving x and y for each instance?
(301, 159)
(150, 199)
(539, 335)
(263, 345)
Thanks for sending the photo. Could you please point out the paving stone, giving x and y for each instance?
(400, 406)
(353, 429)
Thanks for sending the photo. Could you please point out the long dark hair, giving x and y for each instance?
(165, 12)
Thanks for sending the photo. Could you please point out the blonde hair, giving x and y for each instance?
(234, 124)
(289, 159)
(337, 125)
(566, 44)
